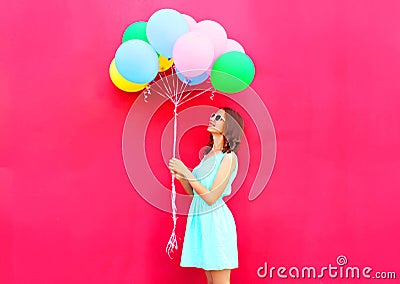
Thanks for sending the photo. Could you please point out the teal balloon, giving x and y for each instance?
(163, 29)
(232, 72)
(137, 61)
(136, 30)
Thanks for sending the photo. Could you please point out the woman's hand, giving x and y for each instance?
(177, 176)
(178, 168)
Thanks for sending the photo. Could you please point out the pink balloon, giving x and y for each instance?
(191, 22)
(193, 54)
(233, 45)
(216, 34)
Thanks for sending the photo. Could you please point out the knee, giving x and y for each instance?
(209, 278)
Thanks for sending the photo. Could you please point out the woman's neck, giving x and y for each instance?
(218, 142)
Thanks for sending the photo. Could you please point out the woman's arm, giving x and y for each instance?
(186, 185)
(228, 165)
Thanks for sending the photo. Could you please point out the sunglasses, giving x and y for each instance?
(218, 117)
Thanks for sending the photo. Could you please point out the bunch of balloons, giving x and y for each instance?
(199, 50)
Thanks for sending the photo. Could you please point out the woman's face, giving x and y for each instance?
(217, 122)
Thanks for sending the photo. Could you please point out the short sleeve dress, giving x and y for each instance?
(210, 240)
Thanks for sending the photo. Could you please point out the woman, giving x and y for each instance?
(210, 239)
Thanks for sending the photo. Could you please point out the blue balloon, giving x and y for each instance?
(137, 61)
(163, 29)
(194, 80)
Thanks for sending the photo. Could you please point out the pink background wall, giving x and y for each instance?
(328, 71)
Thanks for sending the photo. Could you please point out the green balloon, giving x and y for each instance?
(136, 31)
(232, 72)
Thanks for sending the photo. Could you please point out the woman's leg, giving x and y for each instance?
(221, 276)
(209, 277)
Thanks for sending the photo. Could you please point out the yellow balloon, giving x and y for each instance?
(164, 63)
(121, 83)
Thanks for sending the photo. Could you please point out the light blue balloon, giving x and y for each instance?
(163, 29)
(137, 61)
(194, 80)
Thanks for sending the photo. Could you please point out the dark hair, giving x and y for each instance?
(232, 132)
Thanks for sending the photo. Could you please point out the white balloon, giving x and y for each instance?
(233, 45)
(191, 22)
(215, 32)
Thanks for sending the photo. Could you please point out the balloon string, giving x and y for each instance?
(184, 100)
(212, 95)
(182, 90)
(146, 93)
(162, 95)
(172, 243)
(167, 87)
(175, 128)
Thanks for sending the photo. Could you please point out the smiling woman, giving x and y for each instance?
(210, 241)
